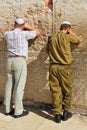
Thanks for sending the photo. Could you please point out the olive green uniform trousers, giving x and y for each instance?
(60, 84)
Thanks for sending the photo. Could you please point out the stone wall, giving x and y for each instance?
(48, 21)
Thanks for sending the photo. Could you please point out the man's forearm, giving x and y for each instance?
(28, 27)
(73, 34)
(79, 37)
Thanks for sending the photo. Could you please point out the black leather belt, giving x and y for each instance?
(16, 56)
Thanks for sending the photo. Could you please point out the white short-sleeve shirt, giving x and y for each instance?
(17, 42)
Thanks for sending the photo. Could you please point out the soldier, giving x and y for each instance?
(58, 49)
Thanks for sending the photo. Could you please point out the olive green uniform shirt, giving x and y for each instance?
(58, 47)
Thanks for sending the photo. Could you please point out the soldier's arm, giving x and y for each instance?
(76, 36)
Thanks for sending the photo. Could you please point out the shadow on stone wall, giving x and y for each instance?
(37, 86)
(3, 58)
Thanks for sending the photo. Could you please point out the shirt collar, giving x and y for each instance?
(17, 29)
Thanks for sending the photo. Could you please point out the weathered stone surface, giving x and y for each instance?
(2, 72)
(48, 21)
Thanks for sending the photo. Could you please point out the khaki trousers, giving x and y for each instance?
(60, 84)
(16, 79)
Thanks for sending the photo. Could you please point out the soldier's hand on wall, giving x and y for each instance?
(81, 39)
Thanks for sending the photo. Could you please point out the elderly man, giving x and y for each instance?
(17, 54)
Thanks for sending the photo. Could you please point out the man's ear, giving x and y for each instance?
(68, 29)
(23, 27)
